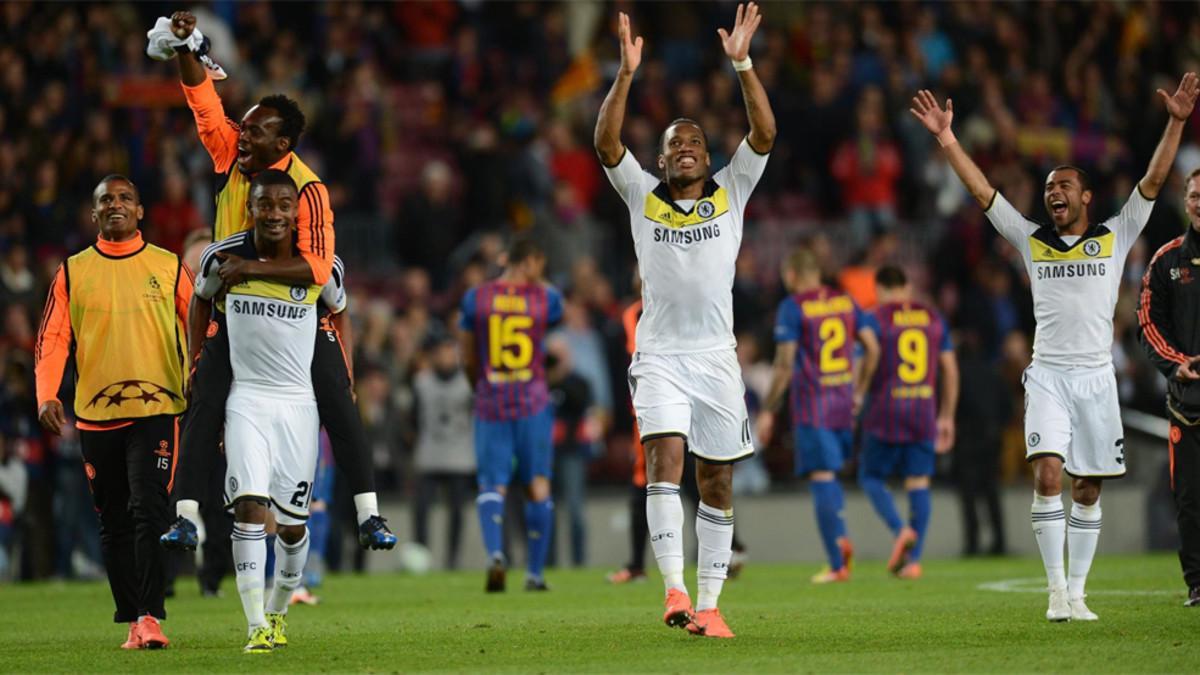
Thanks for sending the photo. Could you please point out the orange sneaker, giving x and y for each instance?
(904, 543)
(847, 547)
(625, 576)
(303, 596)
(134, 641)
(679, 609)
(709, 623)
(910, 571)
(151, 633)
(828, 576)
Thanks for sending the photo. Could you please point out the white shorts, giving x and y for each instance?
(271, 453)
(1075, 415)
(698, 396)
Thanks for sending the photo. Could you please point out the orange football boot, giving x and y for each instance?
(709, 623)
(679, 609)
(828, 576)
(151, 633)
(134, 641)
(910, 571)
(904, 543)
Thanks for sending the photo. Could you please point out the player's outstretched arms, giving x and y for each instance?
(937, 121)
(191, 72)
(736, 44)
(1179, 108)
(612, 112)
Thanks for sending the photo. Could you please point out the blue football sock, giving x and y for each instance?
(826, 496)
(538, 519)
(490, 506)
(920, 505)
(881, 499)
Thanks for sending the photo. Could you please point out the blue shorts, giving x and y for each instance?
(524, 442)
(822, 449)
(881, 459)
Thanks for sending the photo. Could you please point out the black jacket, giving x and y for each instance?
(1169, 317)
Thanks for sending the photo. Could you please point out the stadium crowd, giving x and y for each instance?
(443, 128)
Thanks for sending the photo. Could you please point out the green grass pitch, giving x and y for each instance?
(444, 622)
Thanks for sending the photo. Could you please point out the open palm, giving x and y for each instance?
(631, 48)
(926, 108)
(1181, 103)
(737, 41)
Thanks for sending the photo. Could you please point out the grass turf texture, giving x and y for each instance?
(943, 622)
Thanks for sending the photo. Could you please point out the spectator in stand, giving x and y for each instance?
(173, 217)
(867, 166)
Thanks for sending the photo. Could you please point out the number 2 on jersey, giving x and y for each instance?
(509, 346)
(833, 337)
(913, 347)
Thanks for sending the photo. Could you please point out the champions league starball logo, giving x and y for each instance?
(1091, 248)
(117, 393)
(705, 209)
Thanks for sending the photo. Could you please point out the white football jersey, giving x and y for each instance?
(272, 326)
(686, 253)
(1074, 280)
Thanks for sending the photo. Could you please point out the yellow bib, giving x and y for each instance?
(129, 342)
(232, 216)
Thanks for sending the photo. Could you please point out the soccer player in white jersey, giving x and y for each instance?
(1072, 416)
(271, 422)
(685, 380)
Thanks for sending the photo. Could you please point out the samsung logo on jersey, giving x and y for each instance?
(692, 235)
(269, 309)
(1072, 270)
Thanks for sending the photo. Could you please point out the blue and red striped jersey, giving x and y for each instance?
(823, 323)
(509, 322)
(903, 396)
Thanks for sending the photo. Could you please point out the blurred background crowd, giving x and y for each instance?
(442, 128)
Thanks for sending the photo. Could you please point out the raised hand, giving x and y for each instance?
(1181, 103)
(631, 48)
(926, 108)
(737, 41)
(182, 24)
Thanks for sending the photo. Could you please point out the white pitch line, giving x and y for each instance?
(1038, 585)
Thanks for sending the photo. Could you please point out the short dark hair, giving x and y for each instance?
(271, 177)
(662, 140)
(523, 248)
(291, 117)
(116, 176)
(1085, 181)
(890, 277)
(1195, 172)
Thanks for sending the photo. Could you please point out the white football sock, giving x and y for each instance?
(250, 564)
(714, 536)
(1083, 532)
(289, 570)
(1050, 529)
(366, 504)
(664, 516)
(188, 508)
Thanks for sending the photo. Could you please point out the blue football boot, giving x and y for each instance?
(375, 535)
(182, 536)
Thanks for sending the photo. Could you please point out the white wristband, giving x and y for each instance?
(744, 64)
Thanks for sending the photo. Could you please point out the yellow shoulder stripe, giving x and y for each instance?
(703, 210)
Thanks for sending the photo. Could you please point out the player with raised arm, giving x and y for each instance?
(910, 417)
(504, 324)
(686, 384)
(271, 422)
(1072, 415)
(815, 330)
(265, 139)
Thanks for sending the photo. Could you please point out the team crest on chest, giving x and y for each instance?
(299, 293)
(705, 209)
(1091, 248)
